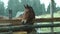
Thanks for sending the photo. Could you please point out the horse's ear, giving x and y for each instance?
(24, 6)
(27, 5)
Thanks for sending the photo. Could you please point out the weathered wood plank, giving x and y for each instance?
(18, 21)
(23, 27)
(20, 32)
(37, 20)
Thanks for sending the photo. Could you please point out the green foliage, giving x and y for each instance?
(58, 9)
(15, 5)
(39, 8)
(48, 9)
(43, 9)
(53, 5)
(2, 8)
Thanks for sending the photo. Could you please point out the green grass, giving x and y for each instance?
(56, 14)
(56, 29)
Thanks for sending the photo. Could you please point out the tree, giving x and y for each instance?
(57, 8)
(2, 8)
(53, 7)
(15, 6)
(48, 9)
(36, 6)
(43, 9)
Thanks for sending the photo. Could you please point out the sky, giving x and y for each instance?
(5, 3)
(46, 2)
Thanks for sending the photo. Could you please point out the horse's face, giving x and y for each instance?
(26, 9)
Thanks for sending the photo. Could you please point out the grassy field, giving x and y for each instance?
(56, 29)
(56, 14)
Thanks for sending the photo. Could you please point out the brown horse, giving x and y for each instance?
(28, 17)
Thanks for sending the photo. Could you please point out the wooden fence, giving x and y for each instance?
(17, 28)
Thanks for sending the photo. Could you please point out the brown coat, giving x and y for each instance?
(28, 16)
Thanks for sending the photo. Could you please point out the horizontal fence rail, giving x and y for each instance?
(5, 33)
(50, 33)
(37, 33)
(17, 21)
(47, 19)
(22, 27)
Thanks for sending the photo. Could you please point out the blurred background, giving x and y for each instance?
(42, 9)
